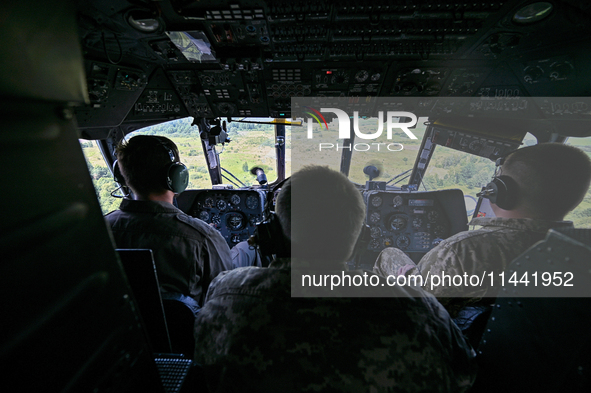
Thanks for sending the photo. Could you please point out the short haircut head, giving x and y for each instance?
(144, 160)
(553, 178)
(322, 213)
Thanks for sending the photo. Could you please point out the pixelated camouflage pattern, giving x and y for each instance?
(490, 248)
(393, 262)
(252, 336)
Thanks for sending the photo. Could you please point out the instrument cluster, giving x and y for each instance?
(412, 222)
(234, 213)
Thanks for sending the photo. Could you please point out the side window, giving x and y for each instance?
(456, 169)
(581, 215)
(101, 176)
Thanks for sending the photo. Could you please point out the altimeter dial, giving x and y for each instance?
(398, 223)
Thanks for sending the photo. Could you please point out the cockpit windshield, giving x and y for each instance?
(392, 157)
(251, 145)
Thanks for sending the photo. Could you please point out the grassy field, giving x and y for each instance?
(325, 149)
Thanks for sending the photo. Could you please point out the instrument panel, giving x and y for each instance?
(250, 58)
(413, 222)
(234, 213)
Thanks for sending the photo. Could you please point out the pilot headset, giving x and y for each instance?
(176, 173)
(502, 190)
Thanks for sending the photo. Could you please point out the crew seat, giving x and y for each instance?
(169, 317)
(537, 337)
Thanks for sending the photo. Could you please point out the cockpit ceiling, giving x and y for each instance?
(151, 61)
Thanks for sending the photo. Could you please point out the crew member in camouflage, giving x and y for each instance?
(551, 180)
(253, 335)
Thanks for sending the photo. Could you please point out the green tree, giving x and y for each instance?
(104, 187)
(583, 213)
(99, 172)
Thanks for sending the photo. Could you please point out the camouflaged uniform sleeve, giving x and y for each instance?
(484, 252)
(444, 258)
(392, 262)
(467, 253)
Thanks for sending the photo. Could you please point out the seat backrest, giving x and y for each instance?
(68, 322)
(537, 337)
(140, 270)
(181, 312)
(169, 317)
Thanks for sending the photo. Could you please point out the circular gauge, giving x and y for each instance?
(397, 201)
(403, 242)
(475, 145)
(216, 219)
(374, 218)
(398, 223)
(204, 215)
(221, 205)
(235, 239)
(387, 242)
(234, 221)
(253, 221)
(252, 202)
(433, 215)
(375, 232)
(375, 243)
(417, 222)
(361, 76)
(376, 201)
(339, 77)
(235, 199)
(208, 202)
(439, 231)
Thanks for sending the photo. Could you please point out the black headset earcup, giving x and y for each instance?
(117, 176)
(177, 177)
(505, 191)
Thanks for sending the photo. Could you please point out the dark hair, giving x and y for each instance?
(322, 212)
(553, 178)
(143, 161)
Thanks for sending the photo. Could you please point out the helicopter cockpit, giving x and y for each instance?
(413, 101)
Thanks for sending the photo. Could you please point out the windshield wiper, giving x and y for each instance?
(230, 173)
(397, 176)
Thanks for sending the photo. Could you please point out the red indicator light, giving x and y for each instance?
(328, 72)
